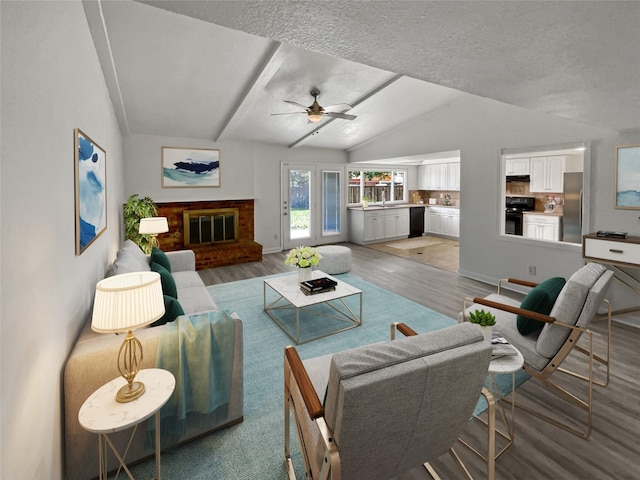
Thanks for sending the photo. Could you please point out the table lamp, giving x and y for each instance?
(122, 304)
(153, 226)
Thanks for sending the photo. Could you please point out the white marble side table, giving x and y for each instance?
(501, 366)
(102, 414)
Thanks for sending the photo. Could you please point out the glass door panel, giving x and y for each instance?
(313, 206)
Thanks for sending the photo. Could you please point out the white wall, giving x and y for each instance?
(480, 127)
(51, 84)
(248, 170)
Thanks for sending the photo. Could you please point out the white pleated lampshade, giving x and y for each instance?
(153, 225)
(126, 302)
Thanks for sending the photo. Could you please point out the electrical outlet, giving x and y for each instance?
(532, 269)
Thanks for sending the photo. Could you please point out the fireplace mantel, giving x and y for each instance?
(243, 250)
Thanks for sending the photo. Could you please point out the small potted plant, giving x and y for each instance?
(365, 201)
(304, 258)
(484, 320)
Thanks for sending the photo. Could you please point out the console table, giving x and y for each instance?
(618, 254)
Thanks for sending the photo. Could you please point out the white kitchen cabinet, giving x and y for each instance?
(434, 219)
(542, 227)
(517, 166)
(453, 176)
(444, 221)
(439, 176)
(396, 223)
(371, 226)
(374, 226)
(547, 174)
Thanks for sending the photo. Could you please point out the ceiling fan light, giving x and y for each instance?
(314, 118)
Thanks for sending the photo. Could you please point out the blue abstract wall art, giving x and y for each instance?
(628, 177)
(91, 190)
(190, 167)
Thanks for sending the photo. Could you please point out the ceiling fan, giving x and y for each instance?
(315, 111)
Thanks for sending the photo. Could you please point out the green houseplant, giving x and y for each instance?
(365, 201)
(135, 209)
(484, 320)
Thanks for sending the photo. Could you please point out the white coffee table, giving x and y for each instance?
(288, 297)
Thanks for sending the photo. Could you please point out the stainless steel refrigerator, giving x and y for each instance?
(572, 211)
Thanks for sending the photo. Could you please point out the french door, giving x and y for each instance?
(313, 204)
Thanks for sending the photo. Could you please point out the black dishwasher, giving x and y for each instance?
(416, 225)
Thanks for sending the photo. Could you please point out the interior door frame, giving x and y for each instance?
(316, 203)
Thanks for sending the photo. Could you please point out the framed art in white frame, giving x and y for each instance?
(90, 190)
(627, 187)
(190, 167)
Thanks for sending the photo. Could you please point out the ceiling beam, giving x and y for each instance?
(272, 61)
(98, 28)
(363, 99)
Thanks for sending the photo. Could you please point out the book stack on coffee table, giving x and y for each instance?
(318, 285)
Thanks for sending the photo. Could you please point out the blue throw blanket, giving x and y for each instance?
(198, 351)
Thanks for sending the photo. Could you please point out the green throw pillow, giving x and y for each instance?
(168, 283)
(160, 258)
(172, 309)
(540, 299)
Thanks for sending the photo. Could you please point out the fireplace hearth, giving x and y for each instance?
(220, 232)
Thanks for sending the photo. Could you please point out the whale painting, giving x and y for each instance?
(91, 190)
(190, 167)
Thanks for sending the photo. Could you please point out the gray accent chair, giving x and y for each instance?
(389, 407)
(544, 353)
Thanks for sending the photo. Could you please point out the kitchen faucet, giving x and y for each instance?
(383, 195)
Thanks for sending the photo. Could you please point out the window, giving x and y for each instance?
(376, 186)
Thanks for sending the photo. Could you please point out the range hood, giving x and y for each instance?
(518, 178)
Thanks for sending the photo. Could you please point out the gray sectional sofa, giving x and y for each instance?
(93, 362)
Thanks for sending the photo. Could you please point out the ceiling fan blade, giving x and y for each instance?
(289, 113)
(344, 116)
(338, 107)
(297, 104)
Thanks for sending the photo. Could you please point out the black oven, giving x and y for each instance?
(514, 206)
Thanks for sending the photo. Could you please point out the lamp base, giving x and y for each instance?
(130, 392)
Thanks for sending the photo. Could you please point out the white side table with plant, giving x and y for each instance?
(501, 365)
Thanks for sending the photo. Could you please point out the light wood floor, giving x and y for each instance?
(430, 250)
(541, 451)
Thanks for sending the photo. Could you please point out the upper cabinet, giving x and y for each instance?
(547, 174)
(439, 176)
(517, 166)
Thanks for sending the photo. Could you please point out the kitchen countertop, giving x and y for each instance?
(540, 212)
(400, 205)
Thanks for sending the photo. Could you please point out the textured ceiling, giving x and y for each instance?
(218, 69)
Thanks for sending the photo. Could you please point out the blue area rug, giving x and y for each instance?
(254, 449)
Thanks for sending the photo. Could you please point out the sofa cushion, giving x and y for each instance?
(540, 299)
(168, 283)
(158, 256)
(129, 259)
(567, 308)
(172, 309)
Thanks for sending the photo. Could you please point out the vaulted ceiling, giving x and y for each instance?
(219, 69)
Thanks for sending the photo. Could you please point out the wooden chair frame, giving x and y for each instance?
(554, 364)
(294, 371)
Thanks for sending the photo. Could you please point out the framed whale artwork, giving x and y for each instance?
(90, 190)
(190, 167)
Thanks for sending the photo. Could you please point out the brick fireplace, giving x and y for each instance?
(242, 250)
